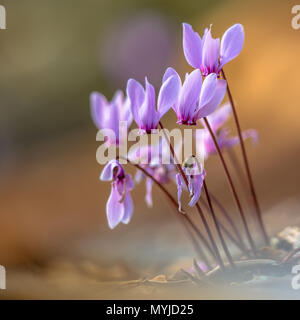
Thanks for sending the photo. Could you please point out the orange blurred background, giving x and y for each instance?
(52, 204)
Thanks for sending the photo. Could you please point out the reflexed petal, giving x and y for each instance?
(168, 94)
(129, 182)
(168, 73)
(138, 176)
(107, 172)
(126, 114)
(251, 133)
(232, 43)
(128, 208)
(208, 89)
(210, 53)
(197, 183)
(147, 113)
(118, 97)
(220, 116)
(179, 190)
(136, 95)
(189, 94)
(114, 209)
(148, 198)
(214, 102)
(98, 105)
(192, 46)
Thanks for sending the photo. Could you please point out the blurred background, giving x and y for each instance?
(54, 236)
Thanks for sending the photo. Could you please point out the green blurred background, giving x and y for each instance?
(54, 53)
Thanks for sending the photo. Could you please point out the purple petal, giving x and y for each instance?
(251, 133)
(107, 172)
(214, 102)
(211, 50)
(129, 182)
(168, 94)
(114, 209)
(147, 113)
(208, 89)
(169, 73)
(98, 105)
(189, 94)
(149, 184)
(179, 190)
(232, 43)
(192, 46)
(128, 208)
(220, 116)
(136, 95)
(197, 182)
(125, 112)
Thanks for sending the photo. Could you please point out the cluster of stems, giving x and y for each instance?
(208, 245)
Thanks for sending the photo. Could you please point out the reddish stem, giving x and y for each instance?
(249, 176)
(180, 170)
(231, 186)
(225, 248)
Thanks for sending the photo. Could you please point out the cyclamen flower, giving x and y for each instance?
(196, 99)
(151, 160)
(195, 176)
(207, 54)
(216, 121)
(143, 104)
(107, 115)
(119, 207)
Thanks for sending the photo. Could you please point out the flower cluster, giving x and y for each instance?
(196, 97)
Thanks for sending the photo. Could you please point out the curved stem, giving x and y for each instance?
(225, 248)
(231, 186)
(182, 216)
(180, 170)
(230, 221)
(250, 180)
(237, 243)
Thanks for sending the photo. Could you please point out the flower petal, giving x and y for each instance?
(179, 190)
(147, 113)
(208, 89)
(189, 94)
(168, 94)
(128, 208)
(214, 102)
(136, 95)
(169, 73)
(107, 172)
(197, 183)
(220, 116)
(148, 198)
(210, 53)
(232, 43)
(114, 209)
(98, 105)
(192, 46)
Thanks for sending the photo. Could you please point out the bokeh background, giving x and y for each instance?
(54, 238)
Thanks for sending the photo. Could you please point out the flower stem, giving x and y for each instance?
(206, 226)
(240, 245)
(249, 176)
(225, 248)
(186, 220)
(232, 224)
(231, 186)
